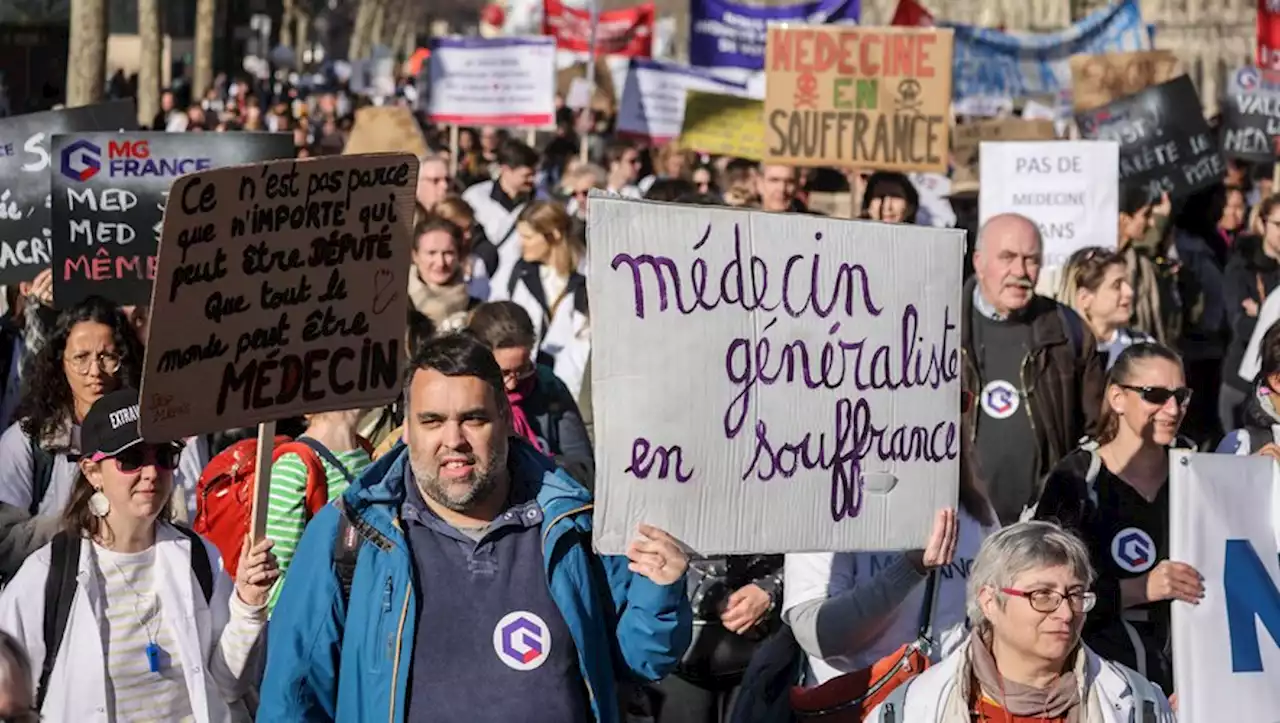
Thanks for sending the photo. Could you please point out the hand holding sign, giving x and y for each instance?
(656, 555)
(942, 543)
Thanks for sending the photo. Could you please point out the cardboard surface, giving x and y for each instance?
(966, 138)
(717, 418)
(723, 125)
(874, 98)
(386, 129)
(1069, 188)
(280, 290)
(1099, 79)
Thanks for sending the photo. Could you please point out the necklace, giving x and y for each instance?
(146, 619)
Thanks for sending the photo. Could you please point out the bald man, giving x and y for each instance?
(433, 181)
(1031, 363)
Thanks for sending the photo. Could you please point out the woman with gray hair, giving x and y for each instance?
(1024, 661)
(16, 696)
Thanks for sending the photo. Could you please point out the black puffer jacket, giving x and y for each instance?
(1250, 274)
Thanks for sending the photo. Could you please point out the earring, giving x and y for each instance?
(99, 505)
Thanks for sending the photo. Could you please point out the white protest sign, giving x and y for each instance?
(493, 81)
(772, 382)
(1224, 513)
(653, 97)
(1071, 189)
(280, 290)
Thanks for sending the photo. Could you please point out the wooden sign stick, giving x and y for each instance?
(453, 151)
(262, 480)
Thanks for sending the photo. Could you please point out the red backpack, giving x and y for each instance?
(224, 494)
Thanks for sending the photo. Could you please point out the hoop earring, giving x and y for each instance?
(99, 505)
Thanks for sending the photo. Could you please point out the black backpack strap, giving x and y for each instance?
(328, 456)
(59, 593)
(346, 550)
(200, 564)
(41, 474)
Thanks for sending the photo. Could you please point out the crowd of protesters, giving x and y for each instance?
(465, 508)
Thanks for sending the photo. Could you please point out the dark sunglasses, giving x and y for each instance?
(164, 456)
(1159, 396)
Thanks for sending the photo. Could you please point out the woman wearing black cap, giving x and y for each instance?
(143, 620)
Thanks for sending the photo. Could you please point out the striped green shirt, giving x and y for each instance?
(287, 513)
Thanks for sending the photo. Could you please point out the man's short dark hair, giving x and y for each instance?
(670, 190)
(514, 154)
(457, 355)
(503, 325)
(616, 149)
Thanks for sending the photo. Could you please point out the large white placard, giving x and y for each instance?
(772, 382)
(493, 81)
(1225, 522)
(1069, 188)
(652, 104)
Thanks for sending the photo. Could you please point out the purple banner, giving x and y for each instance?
(724, 34)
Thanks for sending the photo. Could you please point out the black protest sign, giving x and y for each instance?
(1165, 142)
(1250, 126)
(280, 290)
(25, 235)
(109, 192)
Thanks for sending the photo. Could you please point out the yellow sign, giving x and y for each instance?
(875, 98)
(723, 125)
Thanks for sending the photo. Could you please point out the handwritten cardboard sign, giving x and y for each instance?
(1099, 79)
(26, 235)
(1165, 143)
(386, 129)
(1069, 188)
(723, 125)
(280, 291)
(772, 382)
(109, 192)
(876, 98)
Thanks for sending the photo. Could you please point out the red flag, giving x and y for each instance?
(912, 14)
(626, 32)
(1269, 34)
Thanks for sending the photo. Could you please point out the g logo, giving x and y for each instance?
(80, 161)
(1133, 550)
(522, 640)
(1248, 78)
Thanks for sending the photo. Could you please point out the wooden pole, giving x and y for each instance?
(453, 150)
(262, 480)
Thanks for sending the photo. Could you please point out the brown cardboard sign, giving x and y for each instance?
(1096, 80)
(280, 290)
(386, 129)
(877, 98)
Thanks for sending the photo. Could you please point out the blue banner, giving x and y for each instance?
(724, 34)
(993, 63)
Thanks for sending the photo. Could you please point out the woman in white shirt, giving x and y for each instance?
(146, 624)
(849, 610)
(546, 283)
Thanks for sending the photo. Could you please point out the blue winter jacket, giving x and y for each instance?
(315, 672)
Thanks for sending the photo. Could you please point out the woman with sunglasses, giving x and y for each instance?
(92, 350)
(155, 629)
(1023, 660)
(1113, 493)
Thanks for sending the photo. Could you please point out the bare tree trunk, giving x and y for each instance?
(302, 36)
(202, 73)
(286, 24)
(378, 24)
(87, 59)
(404, 35)
(359, 46)
(149, 74)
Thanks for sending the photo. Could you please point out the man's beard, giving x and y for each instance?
(480, 484)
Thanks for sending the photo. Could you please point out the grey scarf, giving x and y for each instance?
(1061, 698)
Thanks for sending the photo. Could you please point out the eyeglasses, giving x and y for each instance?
(1048, 601)
(133, 459)
(520, 373)
(1159, 396)
(108, 362)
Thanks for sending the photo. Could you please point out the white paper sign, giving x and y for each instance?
(772, 382)
(1225, 521)
(493, 81)
(652, 103)
(1069, 188)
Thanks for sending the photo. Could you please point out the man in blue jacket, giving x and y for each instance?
(475, 594)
